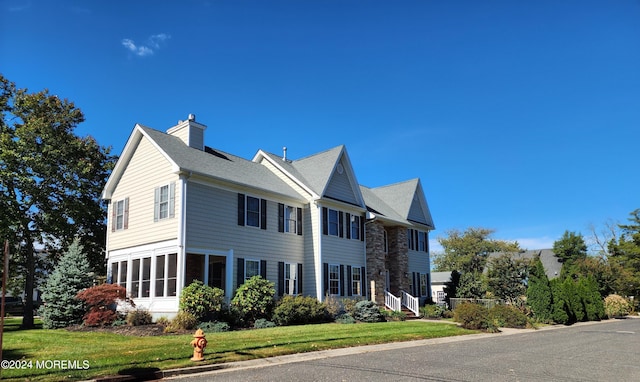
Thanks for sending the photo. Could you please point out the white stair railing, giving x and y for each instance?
(411, 303)
(392, 302)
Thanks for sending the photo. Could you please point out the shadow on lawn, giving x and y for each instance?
(141, 373)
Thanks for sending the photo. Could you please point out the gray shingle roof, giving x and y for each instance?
(552, 267)
(378, 206)
(220, 165)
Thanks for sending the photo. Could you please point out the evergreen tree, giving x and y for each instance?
(539, 296)
(560, 310)
(591, 298)
(71, 275)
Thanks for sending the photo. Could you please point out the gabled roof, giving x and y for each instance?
(380, 208)
(210, 163)
(315, 172)
(407, 200)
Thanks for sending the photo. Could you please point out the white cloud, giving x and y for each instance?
(535, 242)
(153, 43)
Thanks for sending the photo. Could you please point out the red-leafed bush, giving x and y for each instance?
(102, 302)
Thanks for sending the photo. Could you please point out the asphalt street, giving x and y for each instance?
(602, 351)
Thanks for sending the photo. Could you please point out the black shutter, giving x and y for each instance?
(325, 221)
(263, 268)
(299, 219)
(362, 228)
(349, 283)
(348, 227)
(341, 224)
(240, 209)
(280, 217)
(363, 281)
(263, 213)
(325, 271)
(281, 278)
(416, 283)
(341, 280)
(299, 278)
(240, 272)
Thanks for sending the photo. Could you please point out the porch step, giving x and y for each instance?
(410, 314)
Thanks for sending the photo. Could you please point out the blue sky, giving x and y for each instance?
(520, 116)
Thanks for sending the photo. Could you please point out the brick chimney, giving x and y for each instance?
(190, 131)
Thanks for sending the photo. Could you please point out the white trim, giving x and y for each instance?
(262, 154)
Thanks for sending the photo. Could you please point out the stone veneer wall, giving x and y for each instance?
(376, 260)
(398, 260)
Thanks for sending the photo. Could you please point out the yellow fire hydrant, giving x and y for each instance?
(199, 343)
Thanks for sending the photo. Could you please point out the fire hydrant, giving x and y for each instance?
(199, 343)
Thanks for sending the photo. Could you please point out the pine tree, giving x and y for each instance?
(72, 274)
(539, 292)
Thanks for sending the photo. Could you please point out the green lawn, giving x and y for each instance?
(112, 354)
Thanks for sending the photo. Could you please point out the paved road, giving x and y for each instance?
(605, 351)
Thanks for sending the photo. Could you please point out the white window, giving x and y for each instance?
(253, 211)
(355, 227)
(119, 206)
(291, 279)
(164, 200)
(334, 279)
(290, 219)
(441, 297)
(334, 223)
(251, 268)
(166, 275)
(356, 281)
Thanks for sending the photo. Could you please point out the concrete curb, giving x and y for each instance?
(323, 354)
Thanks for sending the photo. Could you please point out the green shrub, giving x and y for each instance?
(349, 304)
(539, 294)
(214, 326)
(139, 316)
(345, 318)
(367, 311)
(183, 321)
(262, 323)
(202, 301)
(299, 310)
(119, 322)
(397, 315)
(432, 311)
(473, 316)
(254, 299)
(616, 306)
(508, 316)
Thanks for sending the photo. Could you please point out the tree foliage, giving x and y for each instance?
(471, 285)
(72, 274)
(570, 247)
(51, 182)
(468, 251)
(625, 253)
(539, 296)
(506, 277)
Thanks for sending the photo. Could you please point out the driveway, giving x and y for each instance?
(594, 351)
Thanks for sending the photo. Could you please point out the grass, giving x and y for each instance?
(112, 354)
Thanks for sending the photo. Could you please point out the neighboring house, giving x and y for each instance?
(551, 263)
(438, 281)
(181, 211)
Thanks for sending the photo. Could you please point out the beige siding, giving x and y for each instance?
(212, 223)
(147, 169)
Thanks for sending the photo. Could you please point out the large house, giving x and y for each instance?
(180, 211)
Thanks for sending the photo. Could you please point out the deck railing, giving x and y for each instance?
(392, 302)
(411, 303)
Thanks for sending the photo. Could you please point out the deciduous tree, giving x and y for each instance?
(51, 180)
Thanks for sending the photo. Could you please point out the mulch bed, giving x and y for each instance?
(137, 331)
